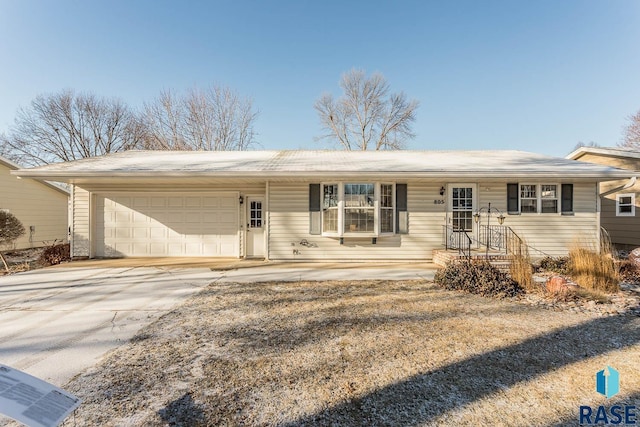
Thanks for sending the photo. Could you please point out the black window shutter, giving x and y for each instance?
(315, 216)
(401, 209)
(401, 197)
(314, 197)
(512, 198)
(567, 198)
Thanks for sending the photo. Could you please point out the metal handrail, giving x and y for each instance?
(456, 238)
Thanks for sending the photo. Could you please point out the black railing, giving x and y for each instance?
(494, 236)
(456, 238)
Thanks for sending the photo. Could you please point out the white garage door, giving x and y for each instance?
(167, 224)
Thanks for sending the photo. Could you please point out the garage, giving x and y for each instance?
(167, 224)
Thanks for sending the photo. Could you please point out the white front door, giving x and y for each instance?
(461, 206)
(255, 227)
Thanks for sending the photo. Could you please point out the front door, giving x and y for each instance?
(461, 206)
(255, 227)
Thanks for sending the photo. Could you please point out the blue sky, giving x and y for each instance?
(529, 75)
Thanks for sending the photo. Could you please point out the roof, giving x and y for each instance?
(325, 163)
(8, 163)
(606, 151)
(14, 166)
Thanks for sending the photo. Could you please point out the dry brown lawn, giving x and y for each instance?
(356, 354)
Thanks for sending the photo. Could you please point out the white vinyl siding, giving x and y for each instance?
(551, 234)
(289, 225)
(81, 227)
(84, 218)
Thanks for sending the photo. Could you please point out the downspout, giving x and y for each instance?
(599, 227)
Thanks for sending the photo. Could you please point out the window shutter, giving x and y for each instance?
(567, 198)
(315, 213)
(402, 214)
(512, 198)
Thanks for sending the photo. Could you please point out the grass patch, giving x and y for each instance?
(358, 353)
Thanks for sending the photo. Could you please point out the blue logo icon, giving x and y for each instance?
(608, 382)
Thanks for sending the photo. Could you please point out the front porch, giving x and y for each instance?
(499, 260)
(496, 244)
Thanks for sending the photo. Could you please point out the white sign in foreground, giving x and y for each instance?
(31, 401)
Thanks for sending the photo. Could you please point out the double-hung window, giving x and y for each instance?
(528, 198)
(387, 210)
(626, 204)
(549, 198)
(540, 198)
(330, 208)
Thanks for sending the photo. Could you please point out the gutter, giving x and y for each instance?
(539, 174)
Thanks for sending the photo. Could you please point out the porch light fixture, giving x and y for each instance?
(442, 189)
(241, 199)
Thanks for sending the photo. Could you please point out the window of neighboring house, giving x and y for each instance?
(549, 198)
(626, 204)
(528, 198)
(359, 208)
(330, 208)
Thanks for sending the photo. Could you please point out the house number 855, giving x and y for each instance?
(438, 202)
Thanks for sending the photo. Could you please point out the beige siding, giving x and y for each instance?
(83, 207)
(36, 205)
(551, 234)
(289, 225)
(623, 230)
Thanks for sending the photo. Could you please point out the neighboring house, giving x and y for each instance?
(620, 216)
(322, 205)
(40, 206)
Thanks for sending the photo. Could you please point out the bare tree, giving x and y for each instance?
(212, 119)
(10, 229)
(631, 134)
(366, 116)
(68, 126)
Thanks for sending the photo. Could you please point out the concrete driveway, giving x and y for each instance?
(54, 323)
(57, 322)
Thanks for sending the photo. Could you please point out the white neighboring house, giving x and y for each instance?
(324, 205)
(40, 206)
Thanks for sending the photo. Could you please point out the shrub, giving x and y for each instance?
(10, 229)
(55, 254)
(477, 278)
(558, 265)
(592, 270)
